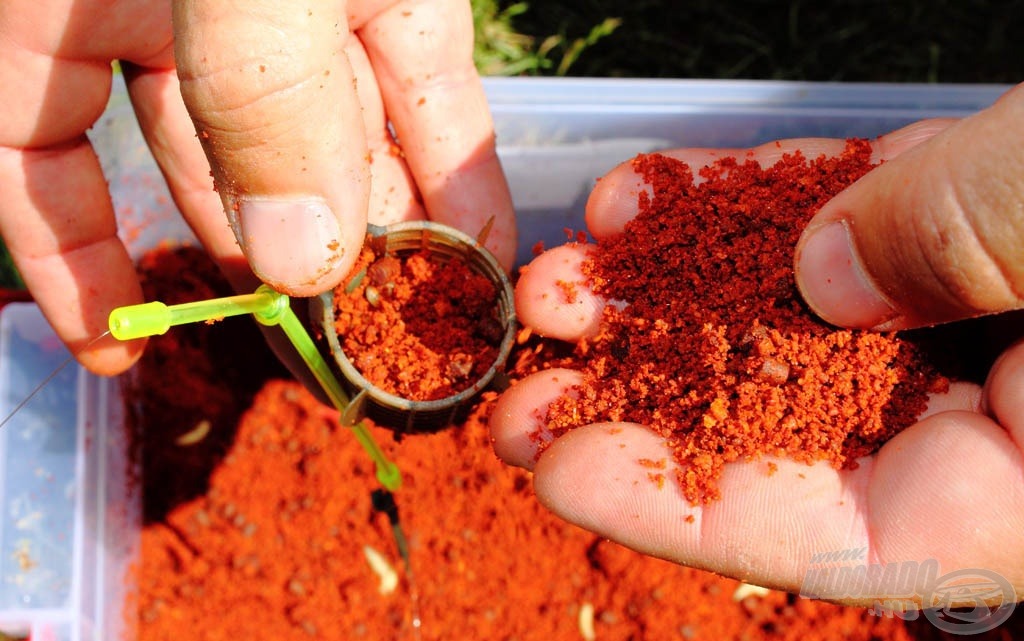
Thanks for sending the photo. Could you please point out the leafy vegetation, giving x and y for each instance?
(9, 278)
(826, 40)
(503, 51)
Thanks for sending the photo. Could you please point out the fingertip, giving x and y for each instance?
(1003, 394)
(518, 425)
(553, 298)
(297, 246)
(107, 356)
(961, 396)
(79, 317)
(614, 200)
(832, 281)
(892, 144)
(92, 345)
(76, 291)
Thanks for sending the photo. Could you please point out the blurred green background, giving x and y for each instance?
(965, 41)
(974, 41)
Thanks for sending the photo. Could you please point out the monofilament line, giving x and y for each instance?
(49, 377)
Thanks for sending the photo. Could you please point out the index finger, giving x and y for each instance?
(56, 215)
(613, 202)
(422, 55)
(540, 292)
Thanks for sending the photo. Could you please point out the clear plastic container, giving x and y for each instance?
(70, 519)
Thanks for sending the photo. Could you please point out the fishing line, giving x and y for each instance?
(49, 377)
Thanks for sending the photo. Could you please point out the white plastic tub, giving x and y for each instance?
(68, 520)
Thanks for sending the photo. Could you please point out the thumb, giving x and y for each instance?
(272, 96)
(933, 235)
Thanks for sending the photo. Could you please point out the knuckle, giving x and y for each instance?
(971, 246)
(233, 86)
(264, 64)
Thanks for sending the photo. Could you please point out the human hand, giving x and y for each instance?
(937, 230)
(291, 104)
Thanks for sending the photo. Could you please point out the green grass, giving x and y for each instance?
(9, 277)
(503, 51)
(840, 40)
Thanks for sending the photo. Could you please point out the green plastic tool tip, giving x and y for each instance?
(151, 319)
(139, 321)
